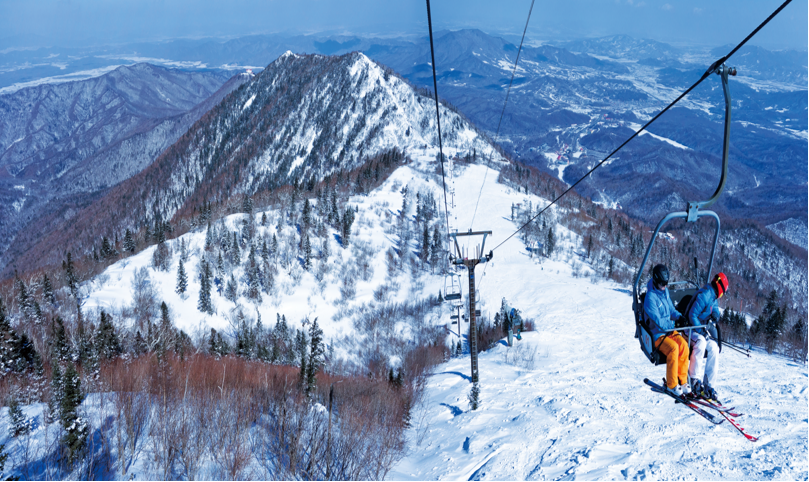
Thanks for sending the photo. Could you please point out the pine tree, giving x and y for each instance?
(435, 247)
(274, 247)
(774, 321)
(307, 252)
(20, 425)
(57, 392)
(265, 251)
(209, 238)
(3, 459)
(139, 346)
(235, 256)
(253, 276)
(84, 343)
(610, 267)
(70, 276)
(9, 357)
(300, 343)
(166, 334)
(307, 214)
(107, 344)
(348, 220)
(316, 353)
(424, 255)
(129, 241)
(107, 249)
(213, 347)
(232, 289)
(182, 279)
(551, 241)
(59, 343)
(220, 265)
(75, 427)
(204, 304)
(24, 300)
(264, 219)
(47, 290)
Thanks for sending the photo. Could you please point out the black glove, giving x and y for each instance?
(714, 317)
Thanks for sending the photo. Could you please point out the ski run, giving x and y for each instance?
(566, 402)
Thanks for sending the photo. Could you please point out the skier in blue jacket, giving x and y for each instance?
(662, 315)
(703, 308)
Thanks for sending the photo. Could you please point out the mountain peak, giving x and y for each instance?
(303, 118)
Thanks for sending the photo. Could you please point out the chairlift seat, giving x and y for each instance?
(452, 296)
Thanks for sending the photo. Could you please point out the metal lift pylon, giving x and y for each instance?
(470, 264)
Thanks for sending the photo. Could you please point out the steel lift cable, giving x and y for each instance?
(438, 118)
(499, 122)
(713, 68)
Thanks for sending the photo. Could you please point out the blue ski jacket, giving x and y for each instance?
(701, 307)
(660, 310)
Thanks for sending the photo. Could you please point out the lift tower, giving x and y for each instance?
(470, 264)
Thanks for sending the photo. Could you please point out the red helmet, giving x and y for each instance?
(720, 284)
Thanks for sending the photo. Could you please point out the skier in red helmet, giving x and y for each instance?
(703, 310)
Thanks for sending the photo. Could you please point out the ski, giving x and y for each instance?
(716, 406)
(738, 427)
(708, 416)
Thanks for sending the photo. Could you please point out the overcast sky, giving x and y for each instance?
(710, 23)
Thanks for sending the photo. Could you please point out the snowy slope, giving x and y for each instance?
(569, 401)
(566, 402)
(297, 293)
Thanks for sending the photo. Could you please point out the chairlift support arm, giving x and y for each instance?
(693, 207)
(459, 259)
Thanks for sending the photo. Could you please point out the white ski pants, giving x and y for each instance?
(701, 368)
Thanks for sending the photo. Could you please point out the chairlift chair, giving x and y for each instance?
(452, 289)
(682, 292)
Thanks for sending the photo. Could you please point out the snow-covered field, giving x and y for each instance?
(566, 402)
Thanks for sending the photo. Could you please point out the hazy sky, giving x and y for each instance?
(711, 23)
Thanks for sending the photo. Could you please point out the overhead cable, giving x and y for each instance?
(438, 117)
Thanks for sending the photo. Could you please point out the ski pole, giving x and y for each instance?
(736, 348)
(724, 342)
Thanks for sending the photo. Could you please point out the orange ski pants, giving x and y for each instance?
(675, 348)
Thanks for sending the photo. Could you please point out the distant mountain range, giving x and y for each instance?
(566, 111)
(569, 105)
(63, 145)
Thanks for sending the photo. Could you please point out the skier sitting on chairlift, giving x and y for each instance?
(662, 316)
(703, 309)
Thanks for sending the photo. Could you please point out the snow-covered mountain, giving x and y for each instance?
(565, 401)
(60, 145)
(338, 113)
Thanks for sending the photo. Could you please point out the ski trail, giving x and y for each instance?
(569, 402)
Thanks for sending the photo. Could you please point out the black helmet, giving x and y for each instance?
(660, 275)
